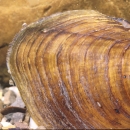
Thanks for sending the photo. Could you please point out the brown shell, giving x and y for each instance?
(73, 70)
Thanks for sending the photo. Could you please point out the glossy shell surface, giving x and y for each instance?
(73, 70)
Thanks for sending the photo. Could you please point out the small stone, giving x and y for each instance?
(8, 127)
(7, 118)
(17, 117)
(4, 119)
(18, 102)
(21, 125)
(6, 124)
(4, 91)
(9, 97)
(15, 90)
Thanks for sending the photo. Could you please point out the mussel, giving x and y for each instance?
(73, 71)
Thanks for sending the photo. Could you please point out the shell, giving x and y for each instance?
(73, 70)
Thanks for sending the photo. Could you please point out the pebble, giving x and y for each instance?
(12, 96)
(3, 119)
(9, 97)
(8, 127)
(6, 124)
(17, 117)
(4, 91)
(15, 121)
(15, 90)
(21, 125)
(7, 118)
(18, 102)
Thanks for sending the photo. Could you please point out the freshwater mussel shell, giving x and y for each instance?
(73, 70)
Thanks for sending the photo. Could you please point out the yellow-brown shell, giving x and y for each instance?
(73, 70)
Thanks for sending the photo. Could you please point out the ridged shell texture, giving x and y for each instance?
(73, 70)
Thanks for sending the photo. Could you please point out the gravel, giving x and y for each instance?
(10, 98)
